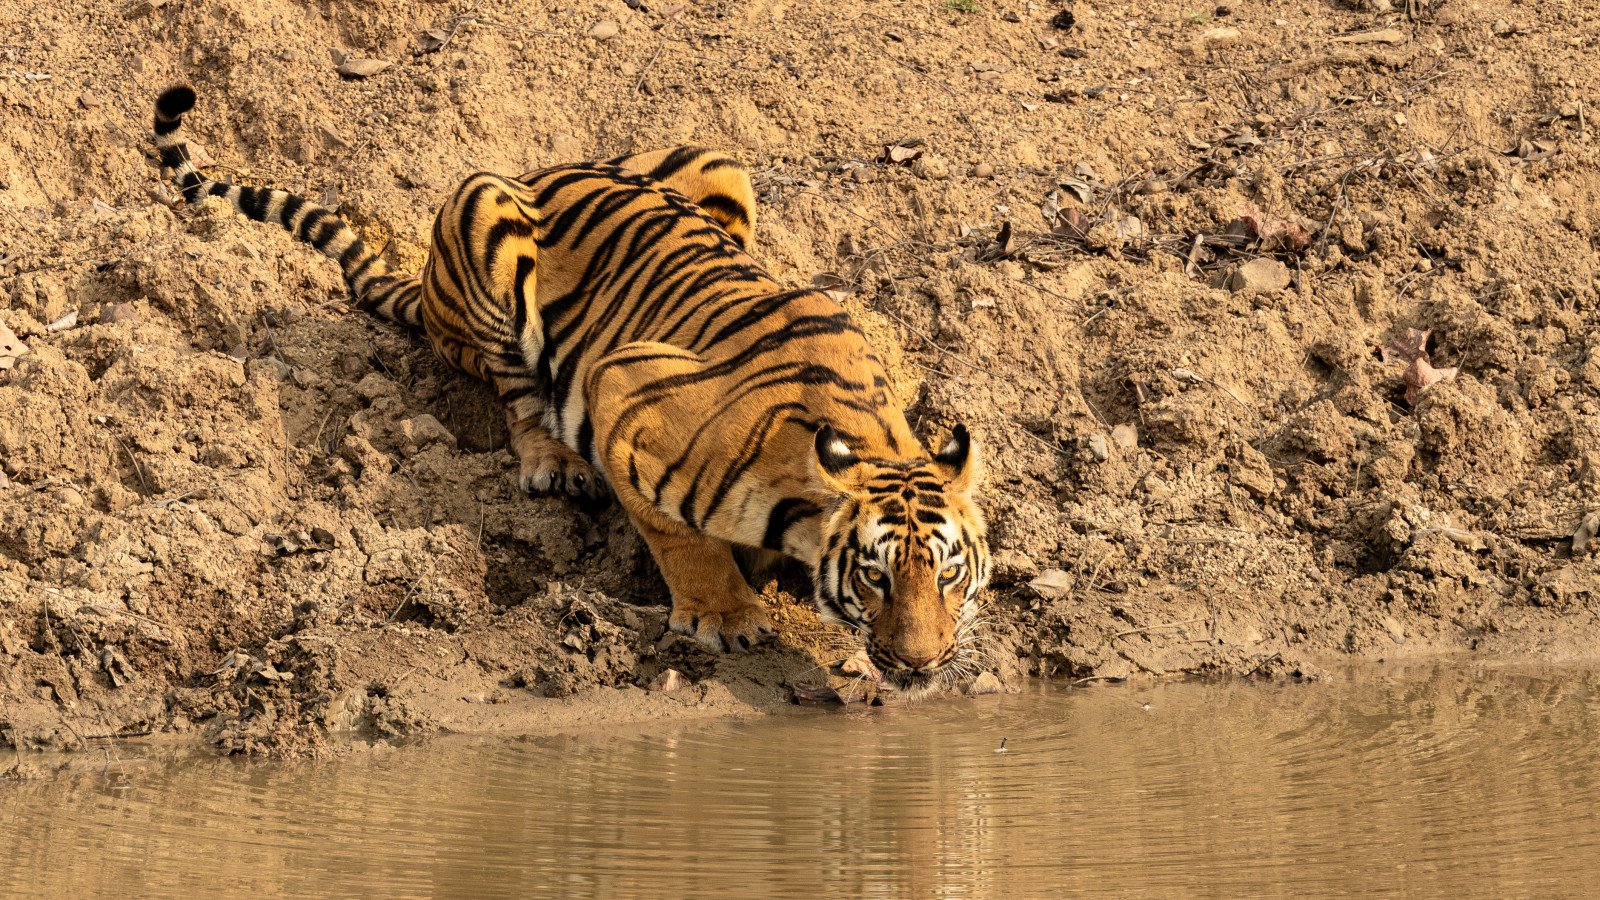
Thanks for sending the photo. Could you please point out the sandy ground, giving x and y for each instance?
(1277, 322)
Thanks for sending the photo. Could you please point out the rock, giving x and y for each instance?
(983, 170)
(69, 496)
(985, 683)
(1097, 446)
(669, 680)
(1126, 436)
(1261, 275)
(864, 175)
(604, 30)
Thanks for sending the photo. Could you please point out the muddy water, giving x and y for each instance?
(1419, 781)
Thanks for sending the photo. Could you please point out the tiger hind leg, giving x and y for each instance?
(638, 443)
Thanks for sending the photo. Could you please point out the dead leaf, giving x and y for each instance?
(1080, 189)
(1052, 583)
(668, 680)
(861, 664)
(1274, 234)
(900, 154)
(1004, 246)
(1409, 348)
(11, 347)
(1046, 42)
(1583, 538)
(431, 40)
(1420, 374)
(362, 68)
(63, 323)
(199, 157)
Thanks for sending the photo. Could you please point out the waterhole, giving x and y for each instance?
(1415, 781)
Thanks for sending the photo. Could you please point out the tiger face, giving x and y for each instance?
(903, 557)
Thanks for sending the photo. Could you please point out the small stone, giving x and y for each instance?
(669, 680)
(864, 175)
(362, 68)
(1583, 538)
(1097, 446)
(983, 170)
(1126, 436)
(985, 683)
(322, 536)
(1052, 583)
(1259, 275)
(89, 100)
(69, 497)
(604, 30)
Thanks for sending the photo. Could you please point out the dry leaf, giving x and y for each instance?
(604, 30)
(1409, 348)
(860, 664)
(362, 68)
(669, 680)
(900, 155)
(1071, 223)
(1052, 583)
(431, 40)
(11, 347)
(1420, 374)
(1047, 42)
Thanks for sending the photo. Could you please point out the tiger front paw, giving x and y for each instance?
(728, 625)
(555, 472)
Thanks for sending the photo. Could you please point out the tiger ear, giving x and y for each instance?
(962, 461)
(831, 462)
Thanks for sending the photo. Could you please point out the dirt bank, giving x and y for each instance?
(1278, 323)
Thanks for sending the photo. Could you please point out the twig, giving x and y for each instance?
(137, 469)
(42, 189)
(1155, 627)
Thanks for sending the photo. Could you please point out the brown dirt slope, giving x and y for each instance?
(1152, 252)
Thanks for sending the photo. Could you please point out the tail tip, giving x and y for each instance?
(175, 101)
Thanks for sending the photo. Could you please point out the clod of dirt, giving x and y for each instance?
(362, 68)
(117, 313)
(604, 30)
(1063, 20)
(1052, 583)
(1260, 275)
(1098, 448)
(983, 170)
(1126, 436)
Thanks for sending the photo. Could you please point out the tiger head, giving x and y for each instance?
(903, 557)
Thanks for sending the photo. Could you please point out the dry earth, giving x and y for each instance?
(1152, 252)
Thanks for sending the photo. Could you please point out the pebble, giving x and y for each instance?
(1097, 446)
(930, 168)
(983, 170)
(69, 497)
(864, 175)
(604, 30)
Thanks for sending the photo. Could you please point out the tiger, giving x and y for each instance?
(642, 354)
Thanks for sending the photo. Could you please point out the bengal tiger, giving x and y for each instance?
(636, 345)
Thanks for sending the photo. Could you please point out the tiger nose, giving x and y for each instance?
(917, 662)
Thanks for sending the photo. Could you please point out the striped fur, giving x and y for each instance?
(637, 346)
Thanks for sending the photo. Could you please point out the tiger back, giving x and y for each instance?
(638, 347)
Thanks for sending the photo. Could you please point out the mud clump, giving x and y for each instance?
(1160, 294)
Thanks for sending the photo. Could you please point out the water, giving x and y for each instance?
(1421, 781)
